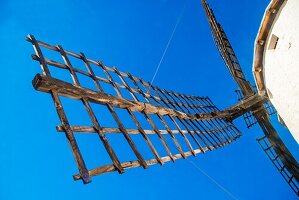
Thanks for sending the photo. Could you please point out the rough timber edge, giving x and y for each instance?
(272, 12)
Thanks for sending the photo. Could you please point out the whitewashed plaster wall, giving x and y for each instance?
(281, 66)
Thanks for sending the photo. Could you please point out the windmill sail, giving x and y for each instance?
(171, 125)
(288, 164)
(227, 53)
(278, 153)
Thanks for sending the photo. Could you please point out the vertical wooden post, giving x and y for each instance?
(65, 124)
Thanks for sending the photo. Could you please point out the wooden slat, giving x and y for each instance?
(205, 123)
(146, 97)
(60, 111)
(159, 116)
(188, 122)
(133, 164)
(195, 123)
(119, 123)
(71, 139)
(212, 123)
(39, 54)
(103, 138)
(92, 116)
(155, 89)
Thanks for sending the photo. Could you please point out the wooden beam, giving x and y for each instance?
(235, 111)
(47, 84)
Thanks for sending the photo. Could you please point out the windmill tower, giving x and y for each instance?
(275, 61)
(172, 125)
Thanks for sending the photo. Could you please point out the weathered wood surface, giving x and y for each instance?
(46, 84)
(190, 115)
(249, 104)
(62, 116)
(133, 164)
(71, 139)
(106, 130)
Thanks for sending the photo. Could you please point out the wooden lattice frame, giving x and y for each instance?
(187, 113)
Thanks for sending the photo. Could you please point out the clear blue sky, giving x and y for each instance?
(36, 162)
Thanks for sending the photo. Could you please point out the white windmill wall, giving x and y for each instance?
(281, 66)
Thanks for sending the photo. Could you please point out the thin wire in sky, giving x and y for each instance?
(214, 181)
(156, 72)
(211, 179)
(169, 41)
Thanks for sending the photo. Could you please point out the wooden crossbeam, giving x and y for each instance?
(46, 84)
(91, 129)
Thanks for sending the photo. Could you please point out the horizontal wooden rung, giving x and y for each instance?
(133, 164)
(91, 129)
